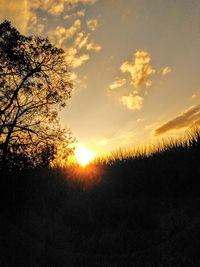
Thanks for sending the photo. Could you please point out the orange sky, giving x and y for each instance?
(135, 65)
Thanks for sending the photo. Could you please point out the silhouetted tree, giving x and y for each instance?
(35, 81)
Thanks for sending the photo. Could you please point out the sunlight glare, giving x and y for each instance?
(84, 156)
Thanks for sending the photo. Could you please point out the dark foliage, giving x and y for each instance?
(144, 212)
(35, 82)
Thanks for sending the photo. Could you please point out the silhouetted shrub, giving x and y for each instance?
(144, 211)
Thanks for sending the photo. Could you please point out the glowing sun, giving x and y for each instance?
(84, 156)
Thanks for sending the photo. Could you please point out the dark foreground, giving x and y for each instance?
(144, 212)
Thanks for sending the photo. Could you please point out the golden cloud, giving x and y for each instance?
(194, 96)
(23, 15)
(93, 46)
(83, 41)
(117, 84)
(132, 102)
(184, 120)
(74, 2)
(78, 14)
(56, 7)
(73, 29)
(76, 52)
(92, 24)
(79, 60)
(60, 34)
(166, 71)
(139, 69)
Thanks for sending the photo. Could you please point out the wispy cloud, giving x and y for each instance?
(166, 70)
(139, 68)
(79, 60)
(92, 46)
(78, 43)
(73, 29)
(194, 96)
(132, 102)
(123, 138)
(186, 119)
(92, 24)
(78, 53)
(28, 18)
(60, 34)
(117, 84)
(78, 14)
(56, 7)
(83, 41)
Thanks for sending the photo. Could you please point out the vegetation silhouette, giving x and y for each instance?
(143, 212)
(35, 81)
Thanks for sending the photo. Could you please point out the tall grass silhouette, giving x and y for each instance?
(143, 210)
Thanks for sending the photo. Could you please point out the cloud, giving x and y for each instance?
(73, 29)
(77, 52)
(150, 126)
(123, 139)
(18, 12)
(166, 70)
(80, 43)
(26, 16)
(74, 58)
(56, 7)
(78, 61)
(74, 2)
(83, 41)
(117, 84)
(79, 14)
(92, 24)
(194, 96)
(140, 68)
(40, 29)
(132, 102)
(60, 34)
(140, 71)
(93, 46)
(186, 119)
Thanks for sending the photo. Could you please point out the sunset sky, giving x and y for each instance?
(135, 64)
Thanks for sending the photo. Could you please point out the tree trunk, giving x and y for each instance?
(5, 149)
(6, 143)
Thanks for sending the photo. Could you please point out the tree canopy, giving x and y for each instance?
(35, 82)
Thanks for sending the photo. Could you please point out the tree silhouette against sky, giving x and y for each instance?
(35, 82)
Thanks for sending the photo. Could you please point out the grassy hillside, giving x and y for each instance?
(128, 211)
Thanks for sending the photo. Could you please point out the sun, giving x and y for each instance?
(84, 156)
